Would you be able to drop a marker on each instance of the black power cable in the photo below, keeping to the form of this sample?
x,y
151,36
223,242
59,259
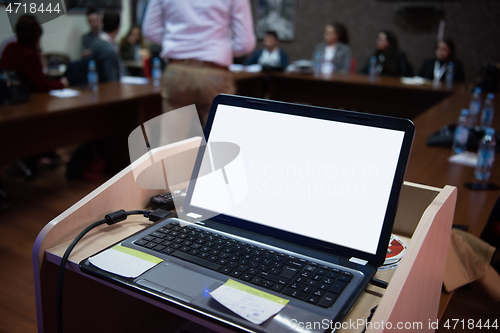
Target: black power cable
x,y
110,219
379,283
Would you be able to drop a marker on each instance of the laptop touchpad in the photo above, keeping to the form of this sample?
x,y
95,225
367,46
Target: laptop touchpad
x,y
176,281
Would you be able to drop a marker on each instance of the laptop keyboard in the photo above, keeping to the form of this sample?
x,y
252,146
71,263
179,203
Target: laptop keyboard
x,y
299,278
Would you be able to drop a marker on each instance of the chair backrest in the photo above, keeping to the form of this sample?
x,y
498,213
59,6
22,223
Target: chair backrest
x,y
56,59
354,64
76,72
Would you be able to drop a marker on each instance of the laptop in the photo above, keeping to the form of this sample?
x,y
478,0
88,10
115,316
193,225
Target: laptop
x,y
300,206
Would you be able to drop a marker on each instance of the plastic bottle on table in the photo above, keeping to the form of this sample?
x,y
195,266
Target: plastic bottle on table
x,y
92,79
485,155
475,105
137,55
450,72
373,68
488,111
327,67
156,72
318,59
461,132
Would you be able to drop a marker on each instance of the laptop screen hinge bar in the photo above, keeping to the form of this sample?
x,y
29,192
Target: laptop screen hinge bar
x,y
194,215
195,218
358,261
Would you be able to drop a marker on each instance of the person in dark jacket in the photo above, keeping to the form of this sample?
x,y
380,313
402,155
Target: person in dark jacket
x,y
435,68
105,50
391,61
24,56
271,57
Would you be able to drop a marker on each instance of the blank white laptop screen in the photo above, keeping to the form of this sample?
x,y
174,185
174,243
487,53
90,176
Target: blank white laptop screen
x,y
323,179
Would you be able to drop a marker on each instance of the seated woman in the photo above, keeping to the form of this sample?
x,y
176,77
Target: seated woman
x,y
391,61
271,57
24,56
333,54
435,68
132,45
133,52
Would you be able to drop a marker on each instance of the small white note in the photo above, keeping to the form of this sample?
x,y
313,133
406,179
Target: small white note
x,y
124,261
236,68
253,68
252,304
416,80
64,93
466,158
134,80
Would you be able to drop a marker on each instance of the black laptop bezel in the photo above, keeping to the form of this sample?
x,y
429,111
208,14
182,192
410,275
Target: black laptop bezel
x,y
400,124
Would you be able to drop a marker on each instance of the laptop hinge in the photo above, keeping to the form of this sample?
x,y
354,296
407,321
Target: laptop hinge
x,y
194,215
358,261
195,218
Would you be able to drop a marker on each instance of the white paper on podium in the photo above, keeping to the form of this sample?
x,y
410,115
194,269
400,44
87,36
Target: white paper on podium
x,y
124,261
252,304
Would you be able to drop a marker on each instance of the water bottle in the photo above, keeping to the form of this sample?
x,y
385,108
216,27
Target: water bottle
x,y
485,155
488,111
318,59
92,79
137,55
461,132
327,67
373,68
156,72
450,71
475,106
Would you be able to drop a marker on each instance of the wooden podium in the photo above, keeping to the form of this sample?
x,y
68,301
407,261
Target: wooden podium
x,y
424,220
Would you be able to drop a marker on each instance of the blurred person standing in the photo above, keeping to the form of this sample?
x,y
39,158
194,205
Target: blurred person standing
x,y
199,39
94,21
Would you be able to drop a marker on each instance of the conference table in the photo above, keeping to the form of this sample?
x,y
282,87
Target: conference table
x,y
429,165
47,122
356,92
430,108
